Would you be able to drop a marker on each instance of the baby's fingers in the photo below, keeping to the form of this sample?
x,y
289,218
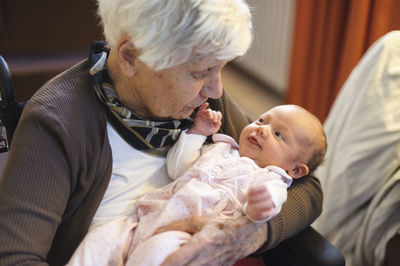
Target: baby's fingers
x,y
214,116
258,193
263,205
203,108
218,116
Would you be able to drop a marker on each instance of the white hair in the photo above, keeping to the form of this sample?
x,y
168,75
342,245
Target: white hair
x,y
172,32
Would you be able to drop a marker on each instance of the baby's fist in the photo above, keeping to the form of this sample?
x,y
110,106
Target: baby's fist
x,y
259,203
206,122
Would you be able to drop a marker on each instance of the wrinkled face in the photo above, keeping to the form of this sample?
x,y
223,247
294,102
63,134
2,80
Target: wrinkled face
x,y
174,92
277,137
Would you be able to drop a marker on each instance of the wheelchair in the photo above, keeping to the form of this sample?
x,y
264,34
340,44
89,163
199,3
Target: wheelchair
x,y
10,111
306,248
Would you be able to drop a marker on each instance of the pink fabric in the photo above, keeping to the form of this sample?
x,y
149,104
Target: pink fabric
x,y
216,186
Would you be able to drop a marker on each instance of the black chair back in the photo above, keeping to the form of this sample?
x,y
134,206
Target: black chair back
x,y
10,111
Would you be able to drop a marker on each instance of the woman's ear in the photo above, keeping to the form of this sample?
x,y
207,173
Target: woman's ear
x,y
299,170
127,56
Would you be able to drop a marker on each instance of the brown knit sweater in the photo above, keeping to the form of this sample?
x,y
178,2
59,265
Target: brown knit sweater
x,y
60,165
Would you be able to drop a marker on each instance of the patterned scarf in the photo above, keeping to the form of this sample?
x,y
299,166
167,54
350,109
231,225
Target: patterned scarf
x,y
139,133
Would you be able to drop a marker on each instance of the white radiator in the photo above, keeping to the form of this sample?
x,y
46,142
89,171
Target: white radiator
x,y
269,57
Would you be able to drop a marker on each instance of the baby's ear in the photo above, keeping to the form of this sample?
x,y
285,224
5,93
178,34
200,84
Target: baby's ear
x,y
299,170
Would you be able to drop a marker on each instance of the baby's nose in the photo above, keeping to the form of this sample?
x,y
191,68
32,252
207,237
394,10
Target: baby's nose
x,y
262,131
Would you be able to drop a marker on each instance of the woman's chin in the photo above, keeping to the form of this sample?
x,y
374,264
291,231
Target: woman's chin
x,y
184,113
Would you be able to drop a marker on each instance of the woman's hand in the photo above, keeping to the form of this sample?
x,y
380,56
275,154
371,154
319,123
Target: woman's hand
x,y
216,242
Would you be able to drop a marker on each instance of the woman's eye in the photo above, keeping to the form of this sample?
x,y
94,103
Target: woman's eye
x,y
199,75
279,135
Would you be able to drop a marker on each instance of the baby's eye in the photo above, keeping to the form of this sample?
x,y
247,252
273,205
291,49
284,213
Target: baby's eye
x,y
279,135
260,120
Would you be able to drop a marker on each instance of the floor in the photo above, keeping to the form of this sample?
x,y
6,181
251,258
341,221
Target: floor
x,y
254,97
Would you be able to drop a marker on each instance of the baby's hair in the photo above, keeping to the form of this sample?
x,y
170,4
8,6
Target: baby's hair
x,y
319,146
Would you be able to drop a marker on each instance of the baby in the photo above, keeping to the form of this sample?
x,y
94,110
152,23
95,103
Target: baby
x,y
286,136
221,180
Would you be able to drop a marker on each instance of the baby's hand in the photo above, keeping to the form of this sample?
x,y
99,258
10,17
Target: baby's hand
x,y
259,203
206,122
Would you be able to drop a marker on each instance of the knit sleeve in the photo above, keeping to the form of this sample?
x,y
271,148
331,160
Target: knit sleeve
x,y
304,200
57,171
303,206
35,188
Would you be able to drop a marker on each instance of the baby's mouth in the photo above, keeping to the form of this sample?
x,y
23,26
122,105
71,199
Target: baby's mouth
x,y
253,140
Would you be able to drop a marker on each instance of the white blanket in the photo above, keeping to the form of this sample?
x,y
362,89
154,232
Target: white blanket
x,y
361,177
215,186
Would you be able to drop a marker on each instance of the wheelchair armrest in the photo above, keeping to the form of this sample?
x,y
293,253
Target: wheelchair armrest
x,y
306,248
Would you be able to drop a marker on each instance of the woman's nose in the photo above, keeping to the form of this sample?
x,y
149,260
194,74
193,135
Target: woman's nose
x,y
212,87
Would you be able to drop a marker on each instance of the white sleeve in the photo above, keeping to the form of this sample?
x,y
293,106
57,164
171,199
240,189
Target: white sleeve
x,y
278,191
184,153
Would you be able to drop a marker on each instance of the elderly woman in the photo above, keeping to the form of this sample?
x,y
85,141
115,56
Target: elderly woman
x,y
93,139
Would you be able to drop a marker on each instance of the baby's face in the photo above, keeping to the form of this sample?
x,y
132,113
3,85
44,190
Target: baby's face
x,y
277,137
